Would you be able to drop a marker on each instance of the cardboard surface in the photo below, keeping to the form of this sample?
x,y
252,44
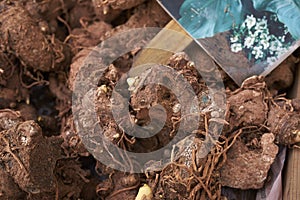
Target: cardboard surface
x,y
162,47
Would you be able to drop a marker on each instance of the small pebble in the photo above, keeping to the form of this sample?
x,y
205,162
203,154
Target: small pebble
x,y
214,114
132,82
176,108
103,88
145,193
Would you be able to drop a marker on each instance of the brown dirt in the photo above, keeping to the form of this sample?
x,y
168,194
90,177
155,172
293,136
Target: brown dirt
x,y
43,45
27,156
43,54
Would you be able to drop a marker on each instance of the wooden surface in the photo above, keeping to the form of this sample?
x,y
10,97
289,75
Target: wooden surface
x,y
171,39
291,184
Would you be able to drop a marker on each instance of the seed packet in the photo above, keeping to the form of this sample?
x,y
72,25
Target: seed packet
x,y
244,37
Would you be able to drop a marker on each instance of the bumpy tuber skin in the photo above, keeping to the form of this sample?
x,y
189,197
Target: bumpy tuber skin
x,y
27,111
273,120
12,92
49,13
285,124
71,179
7,98
89,36
31,169
247,106
8,188
253,105
246,168
110,10
283,76
9,119
77,62
22,36
72,144
83,11
118,4
106,13
27,157
148,14
48,9
6,66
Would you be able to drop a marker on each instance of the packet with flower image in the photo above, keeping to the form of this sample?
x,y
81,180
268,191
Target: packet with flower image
x,y
245,37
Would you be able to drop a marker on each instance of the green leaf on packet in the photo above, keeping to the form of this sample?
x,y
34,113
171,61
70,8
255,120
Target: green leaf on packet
x,y
206,18
288,12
